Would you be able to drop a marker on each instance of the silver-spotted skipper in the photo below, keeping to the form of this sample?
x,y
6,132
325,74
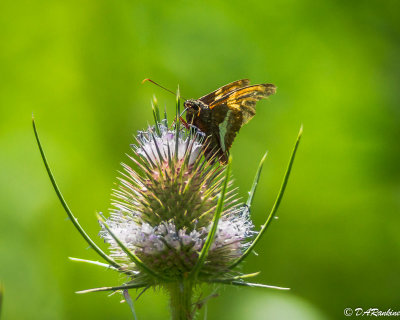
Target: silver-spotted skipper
x,y
221,114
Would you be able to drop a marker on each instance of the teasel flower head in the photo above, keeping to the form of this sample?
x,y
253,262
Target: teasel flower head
x,y
176,220
164,210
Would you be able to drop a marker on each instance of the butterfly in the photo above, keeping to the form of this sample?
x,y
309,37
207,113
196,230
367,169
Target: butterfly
x,y
221,113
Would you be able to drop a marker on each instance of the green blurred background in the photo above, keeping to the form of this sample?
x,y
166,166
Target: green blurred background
x,y
77,65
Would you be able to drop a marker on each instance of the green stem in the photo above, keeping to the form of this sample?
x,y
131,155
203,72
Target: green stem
x,y
181,300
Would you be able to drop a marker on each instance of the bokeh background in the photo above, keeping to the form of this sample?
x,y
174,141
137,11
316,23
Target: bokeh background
x,y
78,66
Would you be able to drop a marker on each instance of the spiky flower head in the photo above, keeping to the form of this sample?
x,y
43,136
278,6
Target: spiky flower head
x,y
164,209
176,220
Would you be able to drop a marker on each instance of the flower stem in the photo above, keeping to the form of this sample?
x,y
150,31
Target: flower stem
x,y
181,300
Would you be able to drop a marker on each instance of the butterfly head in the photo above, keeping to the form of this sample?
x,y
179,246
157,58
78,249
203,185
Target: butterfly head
x,y
194,108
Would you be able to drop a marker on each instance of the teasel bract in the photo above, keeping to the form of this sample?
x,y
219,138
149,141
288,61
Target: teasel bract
x,y
177,221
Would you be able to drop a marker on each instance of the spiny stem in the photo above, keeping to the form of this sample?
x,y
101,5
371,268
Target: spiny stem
x,y
181,300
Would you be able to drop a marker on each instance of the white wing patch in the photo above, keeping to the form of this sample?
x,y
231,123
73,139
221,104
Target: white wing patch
x,y
223,129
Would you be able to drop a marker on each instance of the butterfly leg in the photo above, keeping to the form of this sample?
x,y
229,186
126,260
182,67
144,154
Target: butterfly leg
x,y
193,129
185,124
172,124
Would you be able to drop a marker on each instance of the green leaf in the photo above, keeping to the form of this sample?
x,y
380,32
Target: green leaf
x,y
247,284
156,114
213,230
245,276
239,277
155,103
177,122
123,287
276,204
255,182
129,301
160,156
131,255
97,263
65,206
165,116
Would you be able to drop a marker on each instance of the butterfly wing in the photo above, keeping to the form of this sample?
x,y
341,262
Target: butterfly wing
x,y
244,100
220,92
235,109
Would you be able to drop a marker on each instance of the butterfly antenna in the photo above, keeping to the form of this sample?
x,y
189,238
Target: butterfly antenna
x,y
158,85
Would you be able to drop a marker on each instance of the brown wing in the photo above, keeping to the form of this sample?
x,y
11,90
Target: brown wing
x,y
243,100
220,92
235,109
229,128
